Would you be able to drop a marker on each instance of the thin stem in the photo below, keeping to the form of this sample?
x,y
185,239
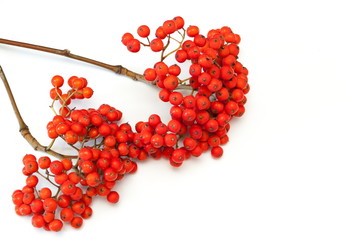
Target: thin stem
x,y
180,44
52,107
118,69
165,47
182,34
47,178
57,193
24,130
184,80
51,144
176,40
145,44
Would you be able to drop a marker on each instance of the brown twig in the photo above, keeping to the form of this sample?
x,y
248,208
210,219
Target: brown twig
x,y
24,130
118,69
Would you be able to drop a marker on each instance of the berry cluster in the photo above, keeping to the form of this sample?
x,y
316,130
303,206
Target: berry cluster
x,y
218,83
78,90
102,160
202,105
95,174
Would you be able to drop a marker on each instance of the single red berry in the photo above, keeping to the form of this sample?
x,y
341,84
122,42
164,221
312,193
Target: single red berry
x,y
217,152
38,221
57,81
189,101
113,197
48,216
45,193
192,31
87,213
50,204
161,128
174,126
189,143
133,45
150,74
164,95
195,131
181,56
68,187
215,85
174,70
231,107
110,174
200,40
28,197
160,33
126,37
161,68
71,137
62,128
157,140
54,93
233,49
179,155
237,95
170,139
175,98
93,179
87,92
214,141
203,103
169,27
211,125
194,52
171,82
64,201
66,214
154,120
78,207
195,70
85,153
188,115
157,45
56,167
31,167
179,22
32,181
76,222
143,31
56,225
23,210
17,197
187,45
226,73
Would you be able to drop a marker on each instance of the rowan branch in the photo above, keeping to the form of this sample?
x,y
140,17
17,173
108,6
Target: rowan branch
x,y
24,130
118,69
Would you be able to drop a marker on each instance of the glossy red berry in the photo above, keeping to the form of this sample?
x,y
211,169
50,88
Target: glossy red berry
x,y
133,45
143,31
156,45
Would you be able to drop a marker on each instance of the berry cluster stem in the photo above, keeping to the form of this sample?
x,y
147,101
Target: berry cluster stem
x,y
118,69
24,130
173,51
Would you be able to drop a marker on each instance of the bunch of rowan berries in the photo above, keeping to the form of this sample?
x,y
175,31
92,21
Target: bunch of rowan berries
x,y
218,83
202,105
101,161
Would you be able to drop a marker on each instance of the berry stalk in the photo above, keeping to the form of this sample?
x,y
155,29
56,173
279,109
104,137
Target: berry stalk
x,y
118,69
24,130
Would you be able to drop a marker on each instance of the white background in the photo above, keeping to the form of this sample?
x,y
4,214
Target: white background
x,y
286,172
